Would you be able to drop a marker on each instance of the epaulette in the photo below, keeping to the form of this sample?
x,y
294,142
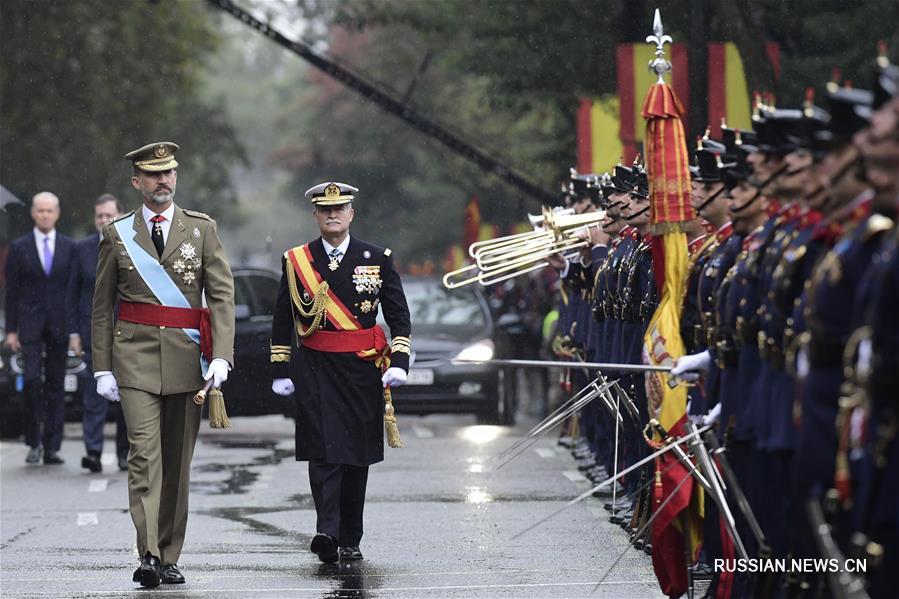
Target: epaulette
x,y
126,215
196,214
387,251
877,223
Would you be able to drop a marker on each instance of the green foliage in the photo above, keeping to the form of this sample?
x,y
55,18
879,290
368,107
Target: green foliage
x,y
84,82
817,36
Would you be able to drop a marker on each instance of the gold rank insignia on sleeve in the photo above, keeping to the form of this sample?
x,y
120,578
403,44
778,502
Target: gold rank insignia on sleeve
x,y
280,353
401,345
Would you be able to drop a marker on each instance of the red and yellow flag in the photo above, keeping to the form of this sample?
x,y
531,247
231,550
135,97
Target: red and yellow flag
x,y
633,79
678,524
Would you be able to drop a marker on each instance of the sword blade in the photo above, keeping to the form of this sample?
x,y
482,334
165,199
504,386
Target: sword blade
x,y
561,364
612,479
558,420
643,528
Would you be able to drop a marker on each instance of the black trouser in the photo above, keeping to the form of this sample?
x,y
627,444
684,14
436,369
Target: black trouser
x,y
44,399
339,494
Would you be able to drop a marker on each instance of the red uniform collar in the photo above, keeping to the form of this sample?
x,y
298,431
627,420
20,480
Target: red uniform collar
x,y
725,231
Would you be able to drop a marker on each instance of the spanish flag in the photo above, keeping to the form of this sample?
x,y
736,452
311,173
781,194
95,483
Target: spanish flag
x,y
678,524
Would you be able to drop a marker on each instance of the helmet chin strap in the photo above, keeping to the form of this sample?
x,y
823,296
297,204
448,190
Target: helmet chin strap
x,y
711,199
759,188
635,214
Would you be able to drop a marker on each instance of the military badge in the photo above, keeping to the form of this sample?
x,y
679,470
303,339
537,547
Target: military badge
x,y
196,233
365,307
187,265
366,254
188,251
333,264
367,279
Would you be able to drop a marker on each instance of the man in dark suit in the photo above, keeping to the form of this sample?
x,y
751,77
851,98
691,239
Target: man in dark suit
x,y
37,271
331,289
80,297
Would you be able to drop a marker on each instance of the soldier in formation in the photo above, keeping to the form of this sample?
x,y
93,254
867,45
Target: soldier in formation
x,y
790,327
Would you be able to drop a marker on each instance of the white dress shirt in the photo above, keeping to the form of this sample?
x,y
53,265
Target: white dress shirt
x,y
39,240
168,213
342,247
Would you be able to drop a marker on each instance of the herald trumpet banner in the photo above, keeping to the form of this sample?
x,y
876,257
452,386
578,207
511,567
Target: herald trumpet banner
x,y
507,257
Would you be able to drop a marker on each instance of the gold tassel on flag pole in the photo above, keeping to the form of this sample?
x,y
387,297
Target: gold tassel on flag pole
x,y
218,415
390,427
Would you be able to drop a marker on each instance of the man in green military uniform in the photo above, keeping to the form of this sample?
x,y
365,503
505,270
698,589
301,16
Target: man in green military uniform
x,y
155,266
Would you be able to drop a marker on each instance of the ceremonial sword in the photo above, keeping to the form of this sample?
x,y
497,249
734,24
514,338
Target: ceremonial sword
x,y
560,364
612,479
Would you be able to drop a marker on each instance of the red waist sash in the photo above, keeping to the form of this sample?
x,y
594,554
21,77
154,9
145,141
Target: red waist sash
x,y
169,316
366,343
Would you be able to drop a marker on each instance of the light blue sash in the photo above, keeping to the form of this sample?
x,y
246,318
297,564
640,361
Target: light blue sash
x,y
155,276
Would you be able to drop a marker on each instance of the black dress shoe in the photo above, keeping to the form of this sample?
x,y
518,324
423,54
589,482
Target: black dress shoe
x,y
172,575
149,572
123,464
92,462
51,457
34,455
325,547
348,554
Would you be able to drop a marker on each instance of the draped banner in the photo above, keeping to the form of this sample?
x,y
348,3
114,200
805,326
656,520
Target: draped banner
x,y
677,529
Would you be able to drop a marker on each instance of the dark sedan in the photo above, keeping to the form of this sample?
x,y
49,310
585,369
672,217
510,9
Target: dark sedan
x,y
455,324
248,391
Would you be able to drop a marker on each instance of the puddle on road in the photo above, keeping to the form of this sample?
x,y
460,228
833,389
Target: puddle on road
x,y
243,475
353,580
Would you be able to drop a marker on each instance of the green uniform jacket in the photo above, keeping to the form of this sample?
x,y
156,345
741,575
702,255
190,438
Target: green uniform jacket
x,y
162,360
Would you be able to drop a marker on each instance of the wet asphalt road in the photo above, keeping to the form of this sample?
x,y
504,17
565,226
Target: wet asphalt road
x,y
438,524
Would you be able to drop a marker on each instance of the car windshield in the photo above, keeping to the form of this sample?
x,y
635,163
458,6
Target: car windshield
x,y
432,307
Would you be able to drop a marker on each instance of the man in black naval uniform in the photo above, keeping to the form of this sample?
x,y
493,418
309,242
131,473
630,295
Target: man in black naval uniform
x,y
330,292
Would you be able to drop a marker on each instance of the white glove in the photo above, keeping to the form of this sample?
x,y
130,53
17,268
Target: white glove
x,y
802,364
394,377
108,388
865,351
283,387
689,368
218,372
713,415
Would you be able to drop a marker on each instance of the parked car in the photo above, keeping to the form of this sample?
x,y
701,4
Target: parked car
x,y
248,391
456,324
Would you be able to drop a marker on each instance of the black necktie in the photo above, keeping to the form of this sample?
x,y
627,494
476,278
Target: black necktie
x,y
156,235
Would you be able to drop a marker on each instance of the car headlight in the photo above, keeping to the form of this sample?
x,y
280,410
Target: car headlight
x,y
478,351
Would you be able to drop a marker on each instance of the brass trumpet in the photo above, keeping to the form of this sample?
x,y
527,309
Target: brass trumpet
x,y
510,256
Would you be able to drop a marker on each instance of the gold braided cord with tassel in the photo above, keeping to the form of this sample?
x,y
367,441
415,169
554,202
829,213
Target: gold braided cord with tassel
x,y
390,427
382,361
218,415
314,308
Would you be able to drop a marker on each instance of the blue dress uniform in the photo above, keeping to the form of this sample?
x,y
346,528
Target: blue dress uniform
x,y
339,397
877,507
727,247
827,309
636,304
874,490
